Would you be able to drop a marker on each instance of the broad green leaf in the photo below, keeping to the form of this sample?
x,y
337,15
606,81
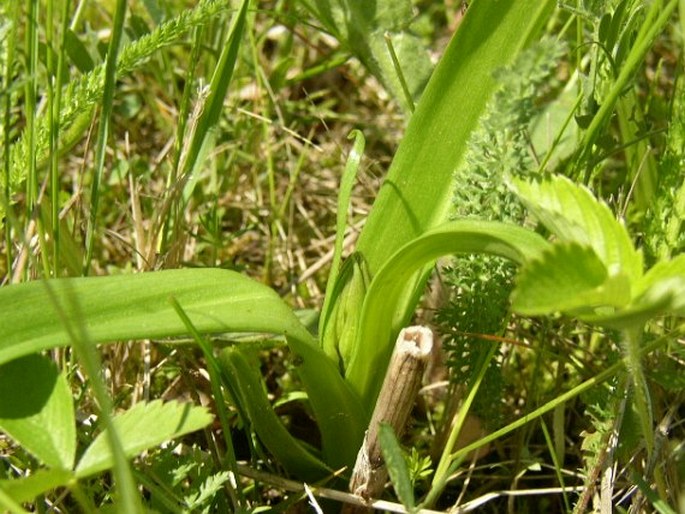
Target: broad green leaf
x,y
246,384
143,426
572,213
25,489
36,410
417,192
41,314
381,318
397,466
567,278
44,314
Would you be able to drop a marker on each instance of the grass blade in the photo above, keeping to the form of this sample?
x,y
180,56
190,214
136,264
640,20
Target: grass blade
x,y
217,88
103,129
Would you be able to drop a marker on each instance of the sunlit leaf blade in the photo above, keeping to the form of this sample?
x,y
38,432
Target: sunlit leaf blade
x,y
216,301
344,198
27,488
137,307
381,317
671,269
572,213
143,426
660,291
417,192
36,410
246,384
568,277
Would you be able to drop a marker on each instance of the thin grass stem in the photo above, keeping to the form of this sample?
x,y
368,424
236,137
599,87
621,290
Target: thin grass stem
x,y
7,122
214,370
103,129
447,458
577,390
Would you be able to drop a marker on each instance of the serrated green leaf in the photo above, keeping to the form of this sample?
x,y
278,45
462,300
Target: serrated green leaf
x,y
568,278
36,410
397,466
25,489
660,291
143,426
572,213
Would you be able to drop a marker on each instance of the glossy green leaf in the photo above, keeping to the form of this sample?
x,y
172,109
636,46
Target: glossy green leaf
x,y
143,426
246,384
417,192
25,489
36,410
216,301
382,318
572,213
567,278
136,307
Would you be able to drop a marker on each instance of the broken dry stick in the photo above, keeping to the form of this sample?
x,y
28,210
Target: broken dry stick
x,y
394,404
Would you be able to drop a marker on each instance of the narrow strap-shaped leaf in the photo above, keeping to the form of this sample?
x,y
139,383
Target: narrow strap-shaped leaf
x,y
247,385
136,307
218,87
417,191
418,188
344,196
397,466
